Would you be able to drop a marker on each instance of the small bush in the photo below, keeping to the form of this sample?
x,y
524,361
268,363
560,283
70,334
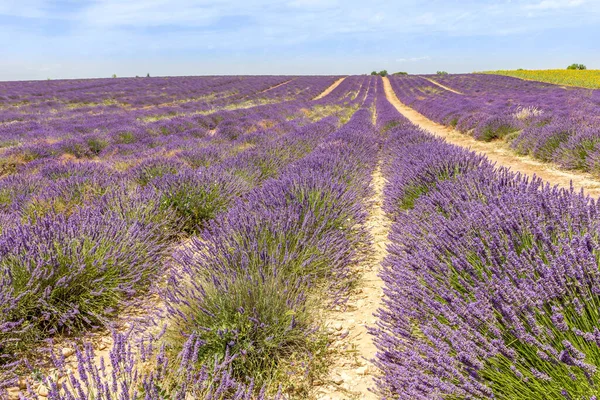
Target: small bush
x,y
202,157
68,273
495,128
198,196
252,277
380,73
441,73
400,73
577,66
96,144
155,168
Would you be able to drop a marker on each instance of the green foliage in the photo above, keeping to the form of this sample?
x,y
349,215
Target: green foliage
x,y
195,199
148,75
411,194
442,73
125,137
114,75
490,132
390,125
383,73
577,66
374,73
228,323
400,73
96,145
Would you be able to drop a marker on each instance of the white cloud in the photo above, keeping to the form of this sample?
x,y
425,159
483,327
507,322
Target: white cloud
x,y
412,59
555,4
208,29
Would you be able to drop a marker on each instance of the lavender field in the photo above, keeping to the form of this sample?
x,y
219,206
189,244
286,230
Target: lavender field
x,y
551,123
190,237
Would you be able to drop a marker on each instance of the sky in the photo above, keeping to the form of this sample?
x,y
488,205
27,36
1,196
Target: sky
x,y
41,39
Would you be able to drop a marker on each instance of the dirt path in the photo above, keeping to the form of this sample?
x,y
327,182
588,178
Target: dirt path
x,y
276,86
330,88
498,152
442,86
352,374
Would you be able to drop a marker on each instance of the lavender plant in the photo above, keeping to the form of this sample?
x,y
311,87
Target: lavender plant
x,y
491,283
248,287
66,273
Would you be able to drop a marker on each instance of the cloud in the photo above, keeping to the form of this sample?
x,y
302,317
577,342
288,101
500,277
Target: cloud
x,y
208,31
555,4
412,59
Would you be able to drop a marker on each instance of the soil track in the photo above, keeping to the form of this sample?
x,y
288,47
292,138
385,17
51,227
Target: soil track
x,y
498,152
276,86
351,375
330,88
443,86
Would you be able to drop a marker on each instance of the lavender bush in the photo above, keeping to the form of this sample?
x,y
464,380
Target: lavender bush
x,y
491,281
247,288
66,273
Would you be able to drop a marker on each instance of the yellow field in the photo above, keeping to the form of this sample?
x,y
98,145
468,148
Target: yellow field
x,y
586,78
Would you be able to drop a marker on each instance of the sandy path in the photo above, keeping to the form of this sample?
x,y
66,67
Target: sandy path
x,y
498,152
442,86
351,376
276,86
330,88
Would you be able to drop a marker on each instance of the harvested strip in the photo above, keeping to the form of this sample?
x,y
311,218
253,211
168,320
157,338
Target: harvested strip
x,y
330,89
498,152
442,86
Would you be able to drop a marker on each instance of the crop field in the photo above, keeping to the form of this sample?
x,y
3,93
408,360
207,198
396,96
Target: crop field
x,y
584,78
547,122
293,237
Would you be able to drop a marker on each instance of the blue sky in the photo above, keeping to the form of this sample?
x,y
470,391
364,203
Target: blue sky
x,y
42,39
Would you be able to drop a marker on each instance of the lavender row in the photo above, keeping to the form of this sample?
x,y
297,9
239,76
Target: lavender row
x,y
491,284
125,134
28,97
79,239
551,123
120,224
240,296
106,120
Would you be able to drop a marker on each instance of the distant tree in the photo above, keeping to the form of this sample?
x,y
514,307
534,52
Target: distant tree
x,y
400,73
442,73
577,66
114,75
148,75
374,73
383,73
520,69
137,76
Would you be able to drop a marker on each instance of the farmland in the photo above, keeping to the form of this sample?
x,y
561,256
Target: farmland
x,y
583,78
288,237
